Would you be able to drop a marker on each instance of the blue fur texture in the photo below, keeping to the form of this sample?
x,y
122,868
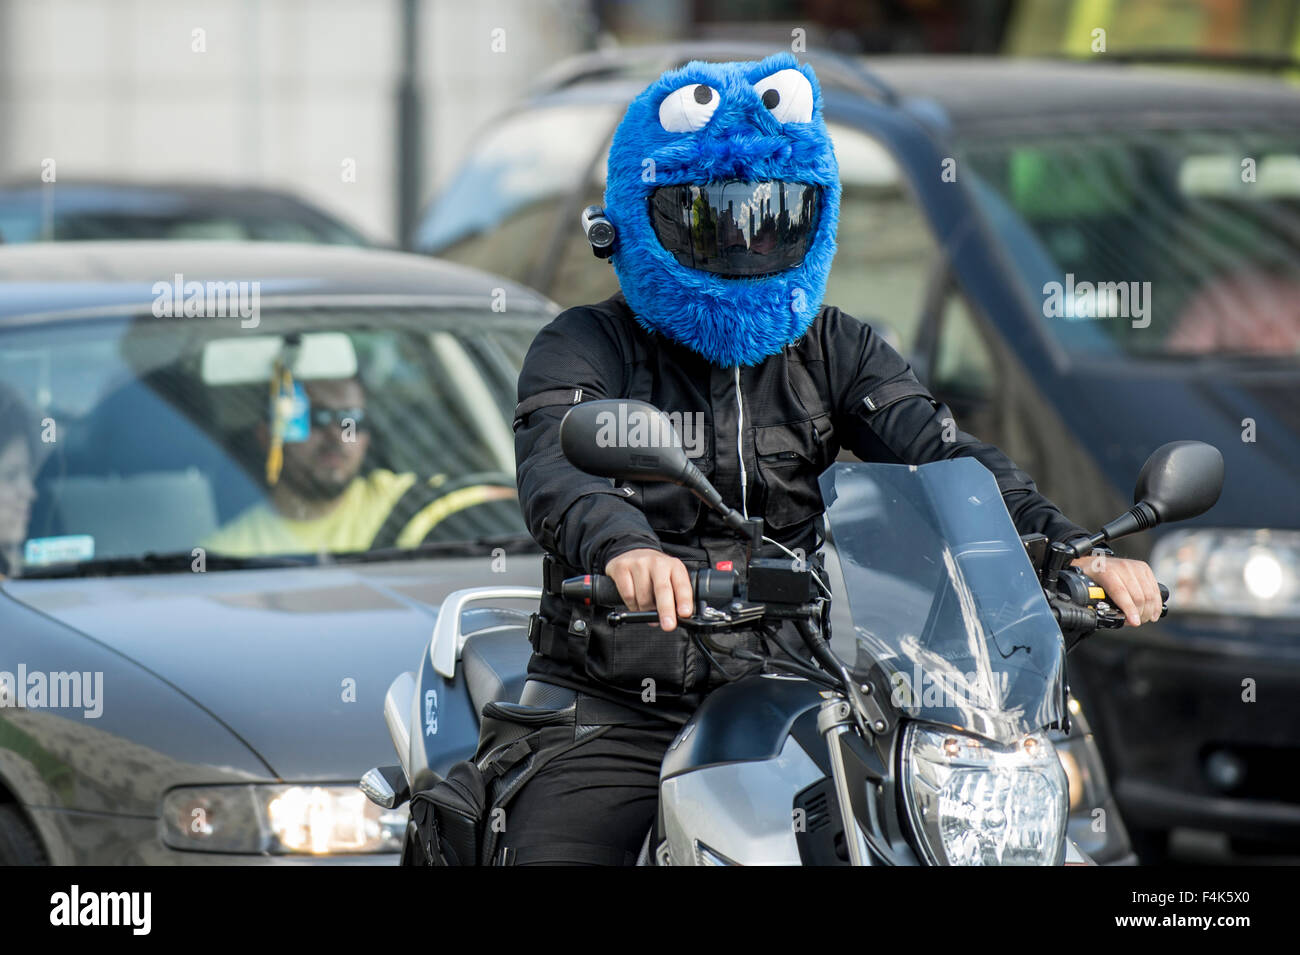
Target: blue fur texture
x,y
730,321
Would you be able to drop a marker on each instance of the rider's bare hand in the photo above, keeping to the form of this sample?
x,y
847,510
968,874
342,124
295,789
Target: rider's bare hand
x,y
648,579
1130,585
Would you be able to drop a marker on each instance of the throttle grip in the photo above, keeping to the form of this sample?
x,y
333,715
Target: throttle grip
x,y
1115,620
706,584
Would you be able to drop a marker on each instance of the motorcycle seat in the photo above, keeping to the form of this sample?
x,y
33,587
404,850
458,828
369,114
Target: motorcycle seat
x,y
495,666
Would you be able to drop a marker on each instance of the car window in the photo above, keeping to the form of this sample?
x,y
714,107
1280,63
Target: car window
x,y
1154,242
159,435
498,210
885,250
580,277
962,363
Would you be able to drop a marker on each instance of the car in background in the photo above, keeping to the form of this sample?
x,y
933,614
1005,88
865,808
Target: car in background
x,y
228,701
168,700
83,210
1084,261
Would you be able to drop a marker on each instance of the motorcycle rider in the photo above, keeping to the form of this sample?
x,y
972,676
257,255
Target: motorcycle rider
x,y
723,195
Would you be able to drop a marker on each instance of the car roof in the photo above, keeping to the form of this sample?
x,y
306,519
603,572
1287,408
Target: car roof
x,y
628,70
972,91
90,196
977,90
106,195
181,189
47,280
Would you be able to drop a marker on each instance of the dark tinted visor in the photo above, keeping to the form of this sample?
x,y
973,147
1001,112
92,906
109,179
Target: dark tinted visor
x,y
736,228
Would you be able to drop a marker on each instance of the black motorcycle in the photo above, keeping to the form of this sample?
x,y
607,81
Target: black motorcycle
x,y
933,728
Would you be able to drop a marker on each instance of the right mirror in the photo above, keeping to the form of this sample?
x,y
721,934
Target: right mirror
x,y
1180,480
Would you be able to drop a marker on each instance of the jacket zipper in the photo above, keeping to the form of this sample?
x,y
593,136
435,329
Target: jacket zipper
x,y
740,447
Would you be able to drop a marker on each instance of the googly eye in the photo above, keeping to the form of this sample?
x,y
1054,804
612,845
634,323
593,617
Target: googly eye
x,y
788,96
688,109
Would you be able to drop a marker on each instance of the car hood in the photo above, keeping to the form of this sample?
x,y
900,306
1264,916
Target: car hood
x,y
295,662
1250,413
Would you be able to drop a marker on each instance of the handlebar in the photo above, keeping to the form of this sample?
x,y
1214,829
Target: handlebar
x,y
706,584
1082,606
1115,620
721,587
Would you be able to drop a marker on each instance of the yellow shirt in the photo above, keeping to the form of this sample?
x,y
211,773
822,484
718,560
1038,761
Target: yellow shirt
x,y
351,525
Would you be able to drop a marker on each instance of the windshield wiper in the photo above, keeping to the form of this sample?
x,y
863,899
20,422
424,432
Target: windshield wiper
x,y
182,561
520,543
153,563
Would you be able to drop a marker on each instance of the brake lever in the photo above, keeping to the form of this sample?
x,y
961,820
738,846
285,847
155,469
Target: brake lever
x,y
1109,618
738,613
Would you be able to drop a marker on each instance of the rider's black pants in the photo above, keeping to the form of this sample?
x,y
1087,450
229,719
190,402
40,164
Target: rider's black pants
x,y
592,804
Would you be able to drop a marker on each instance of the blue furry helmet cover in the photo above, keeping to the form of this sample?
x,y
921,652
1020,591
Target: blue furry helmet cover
x,y
730,321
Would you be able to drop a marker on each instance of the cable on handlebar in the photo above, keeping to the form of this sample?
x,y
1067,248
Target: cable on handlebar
x,y
795,557
713,661
795,664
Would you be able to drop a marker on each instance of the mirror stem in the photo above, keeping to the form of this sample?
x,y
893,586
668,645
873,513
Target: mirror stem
x,y
751,530
1140,517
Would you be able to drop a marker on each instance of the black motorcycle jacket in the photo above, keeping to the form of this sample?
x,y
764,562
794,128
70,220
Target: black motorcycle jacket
x,y
761,434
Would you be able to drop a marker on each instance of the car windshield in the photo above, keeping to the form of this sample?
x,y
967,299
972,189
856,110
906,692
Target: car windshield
x,y
1157,243
500,208
140,443
946,605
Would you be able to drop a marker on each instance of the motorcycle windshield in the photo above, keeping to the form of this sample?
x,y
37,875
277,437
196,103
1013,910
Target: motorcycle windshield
x,y
943,597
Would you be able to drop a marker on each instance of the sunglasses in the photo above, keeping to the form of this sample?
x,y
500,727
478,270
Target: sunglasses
x,y
338,417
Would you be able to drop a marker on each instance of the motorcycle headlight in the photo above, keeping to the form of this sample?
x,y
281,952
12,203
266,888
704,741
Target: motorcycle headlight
x,y
313,820
972,802
1250,572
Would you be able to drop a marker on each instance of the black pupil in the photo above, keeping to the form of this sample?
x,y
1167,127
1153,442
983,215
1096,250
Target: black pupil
x,y
771,98
703,94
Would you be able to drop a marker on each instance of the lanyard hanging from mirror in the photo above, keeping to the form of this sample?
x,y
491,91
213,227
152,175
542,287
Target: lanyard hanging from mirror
x,y
287,415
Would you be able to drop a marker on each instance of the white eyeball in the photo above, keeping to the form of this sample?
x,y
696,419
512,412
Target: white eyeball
x,y
788,96
688,109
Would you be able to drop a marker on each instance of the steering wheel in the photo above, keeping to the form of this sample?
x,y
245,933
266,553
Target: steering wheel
x,y
465,508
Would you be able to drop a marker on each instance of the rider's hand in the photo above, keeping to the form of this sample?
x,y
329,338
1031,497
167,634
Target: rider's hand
x,y
1129,584
648,579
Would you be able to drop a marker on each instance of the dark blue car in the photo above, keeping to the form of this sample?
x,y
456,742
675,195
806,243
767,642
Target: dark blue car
x,y
176,690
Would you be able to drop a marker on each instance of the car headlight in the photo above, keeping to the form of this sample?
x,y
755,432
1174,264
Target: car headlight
x,y
972,802
313,820
1230,571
